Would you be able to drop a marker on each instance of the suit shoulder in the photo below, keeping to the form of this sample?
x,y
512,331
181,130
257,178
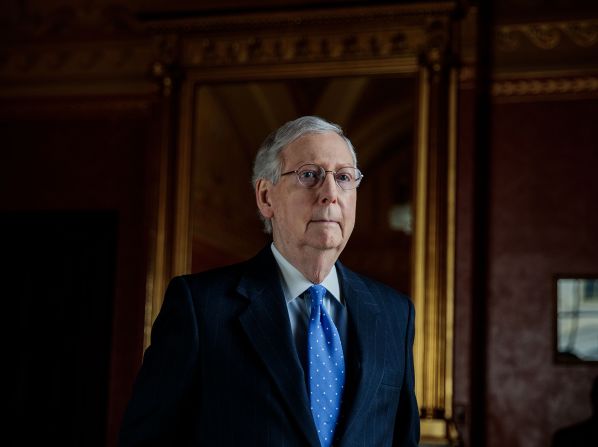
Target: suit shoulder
x,y
388,293
217,278
377,288
383,288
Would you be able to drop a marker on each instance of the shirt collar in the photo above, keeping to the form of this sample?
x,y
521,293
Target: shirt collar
x,y
294,283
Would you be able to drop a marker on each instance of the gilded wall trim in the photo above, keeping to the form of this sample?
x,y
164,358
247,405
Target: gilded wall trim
x,y
374,17
537,49
541,59
59,60
269,49
70,44
548,35
56,22
73,51
326,36
552,86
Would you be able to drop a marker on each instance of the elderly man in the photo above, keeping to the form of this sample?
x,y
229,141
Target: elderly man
x,y
289,348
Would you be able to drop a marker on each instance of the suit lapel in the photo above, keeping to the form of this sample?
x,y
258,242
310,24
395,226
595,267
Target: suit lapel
x,y
369,350
266,323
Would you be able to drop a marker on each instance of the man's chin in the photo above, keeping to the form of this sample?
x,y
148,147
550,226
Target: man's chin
x,y
327,243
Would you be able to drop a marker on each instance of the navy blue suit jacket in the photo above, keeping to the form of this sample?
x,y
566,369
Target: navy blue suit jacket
x,y
222,368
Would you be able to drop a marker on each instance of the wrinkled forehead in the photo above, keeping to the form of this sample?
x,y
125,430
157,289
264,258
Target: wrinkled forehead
x,y
320,147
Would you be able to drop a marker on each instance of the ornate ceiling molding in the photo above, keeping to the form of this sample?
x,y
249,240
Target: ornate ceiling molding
x,y
56,61
103,47
543,87
309,18
82,22
312,36
135,64
547,35
542,49
539,59
73,68
75,45
300,47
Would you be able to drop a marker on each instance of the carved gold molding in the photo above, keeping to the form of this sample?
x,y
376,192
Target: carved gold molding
x,y
541,59
324,36
129,66
396,16
434,248
268,49
548,35
68,21
87,50
554,86
544,47
56,61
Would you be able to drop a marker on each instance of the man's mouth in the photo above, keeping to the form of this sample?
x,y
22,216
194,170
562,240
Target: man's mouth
x,y
325,221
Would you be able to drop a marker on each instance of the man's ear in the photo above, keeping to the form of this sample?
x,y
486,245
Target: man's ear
x,y
263,190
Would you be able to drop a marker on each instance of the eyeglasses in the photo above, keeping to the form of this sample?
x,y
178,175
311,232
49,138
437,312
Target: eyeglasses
x,y
312,176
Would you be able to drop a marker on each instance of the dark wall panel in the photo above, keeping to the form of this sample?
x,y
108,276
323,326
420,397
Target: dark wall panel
x,y
464,245
543,217
83,157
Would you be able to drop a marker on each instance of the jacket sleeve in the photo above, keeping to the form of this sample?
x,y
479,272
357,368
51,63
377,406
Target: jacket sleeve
x,y
157,405
406,431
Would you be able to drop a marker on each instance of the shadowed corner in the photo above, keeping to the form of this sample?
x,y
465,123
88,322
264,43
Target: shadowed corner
x,y
584,433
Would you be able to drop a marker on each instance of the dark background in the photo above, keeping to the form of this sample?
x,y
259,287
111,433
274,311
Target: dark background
x,y
78,191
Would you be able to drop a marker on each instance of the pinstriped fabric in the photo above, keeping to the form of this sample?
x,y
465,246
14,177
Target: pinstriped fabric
x,y
235,378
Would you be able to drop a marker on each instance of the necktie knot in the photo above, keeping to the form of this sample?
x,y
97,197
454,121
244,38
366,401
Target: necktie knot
x,y
317,293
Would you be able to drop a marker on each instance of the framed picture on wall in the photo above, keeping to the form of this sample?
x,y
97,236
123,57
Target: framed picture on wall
x,y
576,319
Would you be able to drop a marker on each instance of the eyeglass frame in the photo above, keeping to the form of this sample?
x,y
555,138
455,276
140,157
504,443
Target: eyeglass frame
x,y
296,172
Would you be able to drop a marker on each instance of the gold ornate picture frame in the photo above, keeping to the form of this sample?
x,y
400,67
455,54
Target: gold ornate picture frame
x,y
406,42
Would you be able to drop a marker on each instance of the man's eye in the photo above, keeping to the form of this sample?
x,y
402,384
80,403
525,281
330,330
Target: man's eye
x,y
344,177
307,175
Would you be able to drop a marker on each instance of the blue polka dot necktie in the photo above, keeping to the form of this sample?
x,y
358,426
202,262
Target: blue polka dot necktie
x,y
326,367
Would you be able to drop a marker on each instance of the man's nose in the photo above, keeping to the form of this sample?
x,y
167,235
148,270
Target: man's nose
x,y
329,189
